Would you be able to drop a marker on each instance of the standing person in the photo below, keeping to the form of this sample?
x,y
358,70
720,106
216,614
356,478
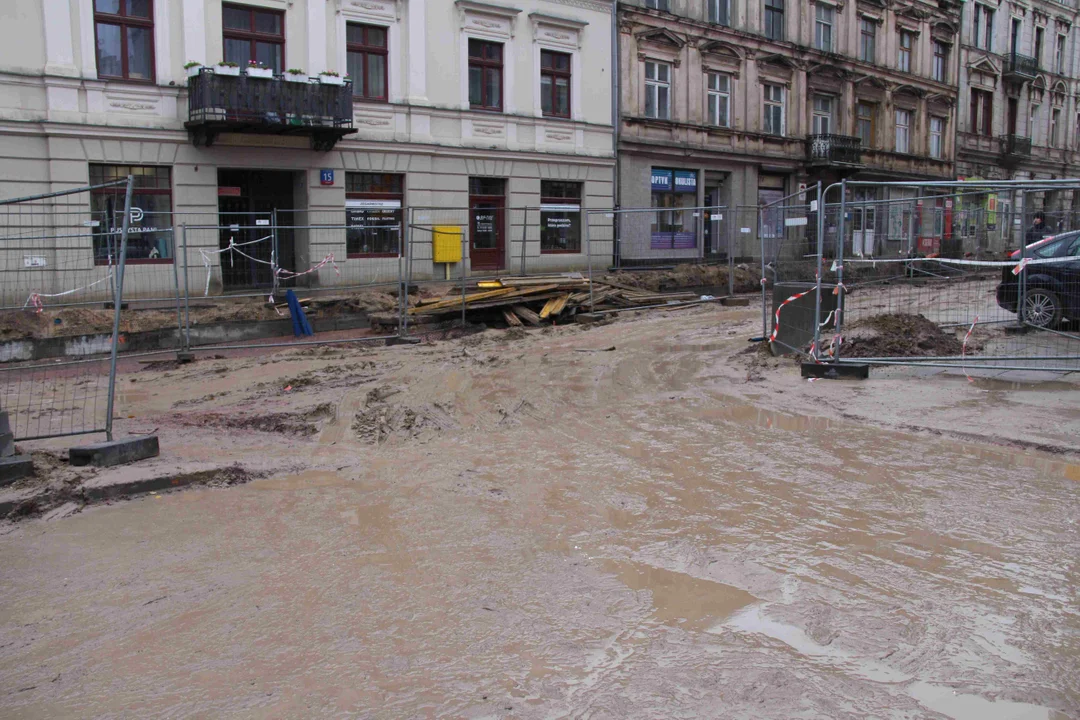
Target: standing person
x,y
1038,229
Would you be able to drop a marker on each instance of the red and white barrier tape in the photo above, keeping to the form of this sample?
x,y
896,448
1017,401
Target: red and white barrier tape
x,y
1020,268
776,315
35,299
963,350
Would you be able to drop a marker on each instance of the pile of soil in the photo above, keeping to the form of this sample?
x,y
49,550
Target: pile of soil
x,y
88,320
303,423
380,421
900,335
688,276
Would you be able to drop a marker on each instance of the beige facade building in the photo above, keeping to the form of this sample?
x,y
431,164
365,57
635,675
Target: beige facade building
x,y
449,104
742,102
1020,103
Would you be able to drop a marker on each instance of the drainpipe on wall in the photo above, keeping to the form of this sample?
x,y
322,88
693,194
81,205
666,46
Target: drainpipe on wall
x,y
615,123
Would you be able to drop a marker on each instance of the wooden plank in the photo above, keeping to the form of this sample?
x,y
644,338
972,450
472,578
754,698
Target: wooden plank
x,y
526,314
450,302
511,319
545,312
493,299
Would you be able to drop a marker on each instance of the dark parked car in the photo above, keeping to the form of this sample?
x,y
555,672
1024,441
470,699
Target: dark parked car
x,y
1053,289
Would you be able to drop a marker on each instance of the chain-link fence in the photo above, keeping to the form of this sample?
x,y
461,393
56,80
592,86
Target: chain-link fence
x,y
967,274
55,249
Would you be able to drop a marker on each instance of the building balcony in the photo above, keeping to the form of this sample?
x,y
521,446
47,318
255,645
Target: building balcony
x,y
835,150
1020,68
267,106
1015,146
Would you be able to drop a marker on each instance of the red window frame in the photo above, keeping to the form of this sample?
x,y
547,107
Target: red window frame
x,y
487,61
125,21
366,50
252,35
366,195
548,68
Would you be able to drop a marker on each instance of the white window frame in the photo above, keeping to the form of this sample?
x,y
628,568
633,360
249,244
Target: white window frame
x,y
767,102
717,97
903,130
937,137
1033,123
822,117
715,6
1055,127
824,27
653,87
664,5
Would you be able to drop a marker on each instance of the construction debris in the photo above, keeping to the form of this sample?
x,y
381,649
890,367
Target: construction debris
x,y
545,299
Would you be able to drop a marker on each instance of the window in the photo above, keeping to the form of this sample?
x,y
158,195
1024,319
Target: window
x,y
658,5
1014,39
657,90
373,213
903,131
774,19
485,75
365,58
864,123
904,60
719,100
1076,137
555,83
720,12
867,40
983,28
823,115
982,107
824,16
1055,123
937,137
1059,55
1033,129
941,62
1038,45
560,216
152,194
774,109
254,35
125,39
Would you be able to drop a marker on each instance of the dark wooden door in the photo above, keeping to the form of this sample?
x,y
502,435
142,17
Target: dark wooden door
x,y
487,221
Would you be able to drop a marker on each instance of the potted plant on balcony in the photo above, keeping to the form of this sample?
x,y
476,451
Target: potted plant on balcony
x,y
193,68
258,70
296,75
329,77
227,68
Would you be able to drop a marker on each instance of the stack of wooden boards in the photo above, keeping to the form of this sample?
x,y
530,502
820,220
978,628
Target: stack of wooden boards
x,y
536,300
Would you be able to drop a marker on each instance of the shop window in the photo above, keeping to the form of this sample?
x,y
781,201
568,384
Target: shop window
x,y
674,225
124,31
560,216
366,48
254,35
373,214
151,210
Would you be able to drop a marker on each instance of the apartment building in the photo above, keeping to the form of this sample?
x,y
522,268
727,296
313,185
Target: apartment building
x,y
743,102
1020,100
313,112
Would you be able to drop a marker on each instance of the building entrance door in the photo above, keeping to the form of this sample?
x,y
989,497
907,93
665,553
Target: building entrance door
x,y
249,202
487,221
863,221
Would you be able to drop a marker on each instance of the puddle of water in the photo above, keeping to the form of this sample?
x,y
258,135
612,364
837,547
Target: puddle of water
x,y
681,600
948,702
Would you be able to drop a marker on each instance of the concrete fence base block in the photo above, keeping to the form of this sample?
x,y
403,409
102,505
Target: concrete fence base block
x,y
15,467
585,318
7,444
5,424
185,357
117,452
835,372
403,341
735,302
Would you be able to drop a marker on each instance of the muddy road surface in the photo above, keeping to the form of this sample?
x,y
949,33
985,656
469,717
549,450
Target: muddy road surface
x,y
542,527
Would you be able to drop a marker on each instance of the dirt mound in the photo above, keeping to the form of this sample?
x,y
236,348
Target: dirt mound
x,y
687,276
900,335
381,422
303,423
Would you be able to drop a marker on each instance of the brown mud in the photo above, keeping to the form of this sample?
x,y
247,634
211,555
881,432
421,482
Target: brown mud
x,y
634,533
902,335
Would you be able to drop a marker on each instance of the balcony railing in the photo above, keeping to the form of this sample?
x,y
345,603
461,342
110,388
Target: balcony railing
x,y
230,103
834,150
1015,146
1021,67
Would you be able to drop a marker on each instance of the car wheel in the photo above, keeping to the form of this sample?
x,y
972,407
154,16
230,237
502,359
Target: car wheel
x,y
1042,308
